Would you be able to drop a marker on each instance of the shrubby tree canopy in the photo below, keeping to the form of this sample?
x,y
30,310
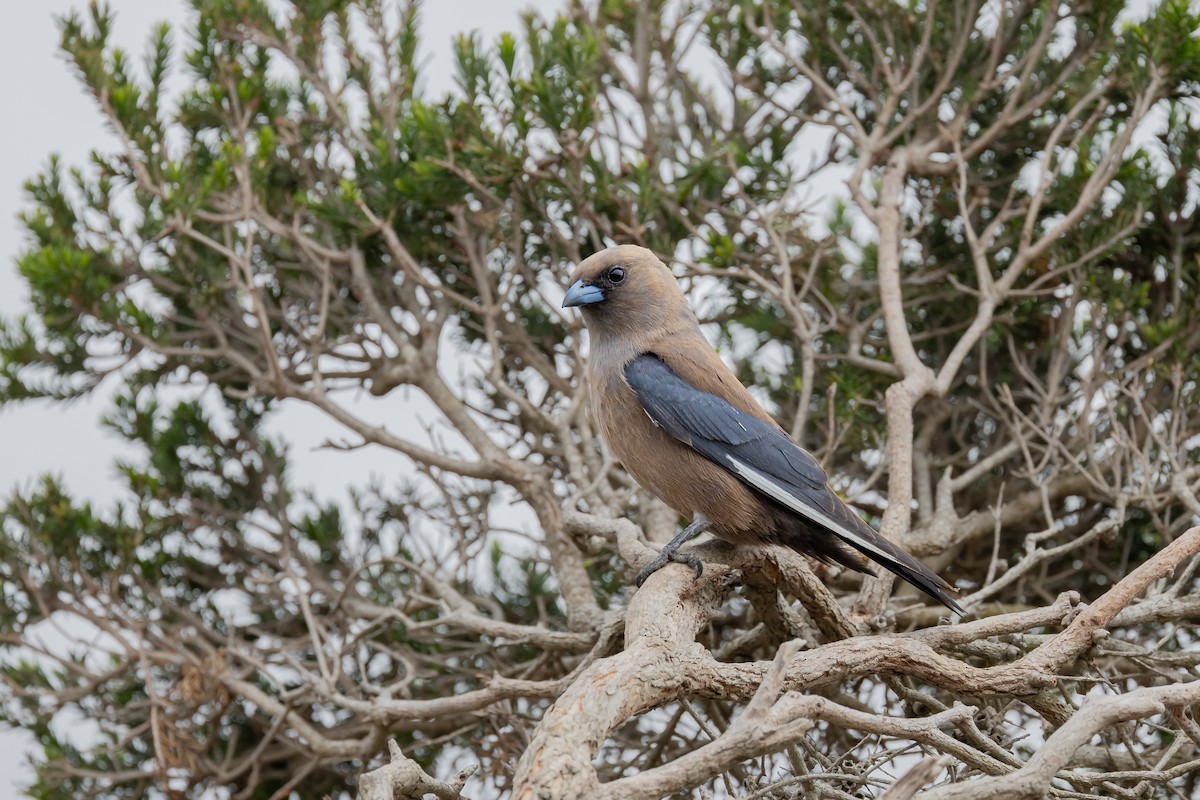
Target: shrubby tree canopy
x,y
954,244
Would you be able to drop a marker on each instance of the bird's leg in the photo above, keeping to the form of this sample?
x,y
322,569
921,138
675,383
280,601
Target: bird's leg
x,y
670,553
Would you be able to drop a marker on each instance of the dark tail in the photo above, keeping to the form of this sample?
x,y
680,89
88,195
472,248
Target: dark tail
x,y
888,555
846,537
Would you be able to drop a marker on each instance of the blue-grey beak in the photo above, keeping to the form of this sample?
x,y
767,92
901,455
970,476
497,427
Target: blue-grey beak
x,y
582,294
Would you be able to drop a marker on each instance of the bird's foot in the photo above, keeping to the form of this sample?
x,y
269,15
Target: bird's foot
x,y
668,555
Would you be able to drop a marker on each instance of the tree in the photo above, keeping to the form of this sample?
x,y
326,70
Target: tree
x,y
987,338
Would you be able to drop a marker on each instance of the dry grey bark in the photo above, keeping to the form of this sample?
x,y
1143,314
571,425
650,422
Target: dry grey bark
x,y
403,779
662,662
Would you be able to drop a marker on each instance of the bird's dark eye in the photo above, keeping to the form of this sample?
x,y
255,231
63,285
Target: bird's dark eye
x,y
616,274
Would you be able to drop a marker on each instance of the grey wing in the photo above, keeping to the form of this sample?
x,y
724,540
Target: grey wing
x,y
757,453
764,458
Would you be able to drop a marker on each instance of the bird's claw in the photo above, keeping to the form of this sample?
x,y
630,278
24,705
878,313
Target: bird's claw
x,y
666,557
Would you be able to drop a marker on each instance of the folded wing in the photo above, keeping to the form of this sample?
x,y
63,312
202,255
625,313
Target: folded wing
x,y
764,458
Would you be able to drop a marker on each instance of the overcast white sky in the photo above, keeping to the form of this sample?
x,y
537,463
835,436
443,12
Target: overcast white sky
x,y
48,112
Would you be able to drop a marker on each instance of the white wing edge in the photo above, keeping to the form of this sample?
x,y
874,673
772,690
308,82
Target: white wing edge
x,y
778,493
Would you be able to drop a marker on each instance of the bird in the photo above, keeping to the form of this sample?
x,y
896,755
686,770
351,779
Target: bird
x,y
689,432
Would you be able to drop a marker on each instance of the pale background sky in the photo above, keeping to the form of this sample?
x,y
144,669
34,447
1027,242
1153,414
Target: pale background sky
x,y
49,112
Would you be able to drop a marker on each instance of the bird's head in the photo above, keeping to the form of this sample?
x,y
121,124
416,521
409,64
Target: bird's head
x,y
623,289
